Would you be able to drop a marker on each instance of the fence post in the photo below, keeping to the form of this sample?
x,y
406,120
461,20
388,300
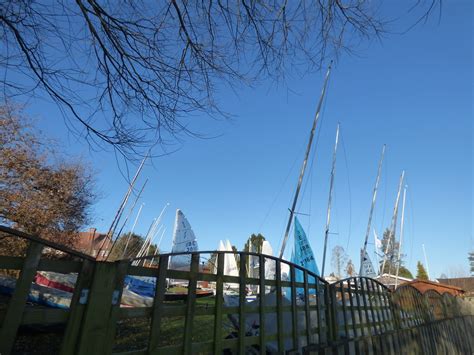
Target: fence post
x,y
16,305
94,334
394,309
77,307
156,315
331,320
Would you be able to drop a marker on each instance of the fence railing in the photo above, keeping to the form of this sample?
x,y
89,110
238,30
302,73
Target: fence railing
x,y
266,305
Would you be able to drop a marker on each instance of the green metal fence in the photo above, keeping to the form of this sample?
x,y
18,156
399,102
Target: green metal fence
x,y
277,307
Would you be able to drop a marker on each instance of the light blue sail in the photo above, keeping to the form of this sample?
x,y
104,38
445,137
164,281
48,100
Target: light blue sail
x,y
302,254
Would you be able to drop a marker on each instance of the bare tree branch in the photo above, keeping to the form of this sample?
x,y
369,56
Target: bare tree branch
x,y
131,73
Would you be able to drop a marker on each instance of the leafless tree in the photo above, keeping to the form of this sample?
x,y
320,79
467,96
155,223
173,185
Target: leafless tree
x,y
131,73
350,269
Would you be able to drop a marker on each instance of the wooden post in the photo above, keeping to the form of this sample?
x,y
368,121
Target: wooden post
x,y
321,297
121,270
306,308
93,338
77,307
279,303
218,304
190,304
261,295
156,315
294,311
331,312
16,306
242,300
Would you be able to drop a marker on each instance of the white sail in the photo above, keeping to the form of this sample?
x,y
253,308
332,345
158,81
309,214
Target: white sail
x,y
221,247
267,248
269,263
285,271
184,240
230,264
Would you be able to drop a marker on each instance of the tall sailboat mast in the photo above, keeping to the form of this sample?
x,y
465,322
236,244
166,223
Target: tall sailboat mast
x,y
402,223
131,231
328,216
394,222
374,197
126,220
305,161
118,215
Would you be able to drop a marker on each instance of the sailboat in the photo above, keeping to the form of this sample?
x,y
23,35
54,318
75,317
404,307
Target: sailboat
x,y
252,320
305,162
230,263
184,241
303,254
393,226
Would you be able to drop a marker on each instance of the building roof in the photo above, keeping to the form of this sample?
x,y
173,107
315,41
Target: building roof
x,y
425,285
389,279
465,283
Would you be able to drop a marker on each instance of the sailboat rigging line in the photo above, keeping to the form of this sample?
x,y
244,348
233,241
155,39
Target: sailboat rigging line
x,y
349,190
157,247
401,236
124,203
147,237
126,218
134,250
131,231
393,224
311,170
384,207
151,232
301,213
161,238
278,194
374,198
132,208
305,161
331,185
147,253
304,187
150,237
118,215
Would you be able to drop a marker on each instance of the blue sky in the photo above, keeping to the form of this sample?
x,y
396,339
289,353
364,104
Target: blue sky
x,y
412,92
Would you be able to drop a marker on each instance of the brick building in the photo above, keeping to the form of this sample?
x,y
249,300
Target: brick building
x,y
91,242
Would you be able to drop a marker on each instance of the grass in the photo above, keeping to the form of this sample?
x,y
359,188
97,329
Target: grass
x,y
177,289
133,334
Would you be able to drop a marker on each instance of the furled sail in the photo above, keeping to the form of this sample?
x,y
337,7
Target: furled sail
x,y
184,240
